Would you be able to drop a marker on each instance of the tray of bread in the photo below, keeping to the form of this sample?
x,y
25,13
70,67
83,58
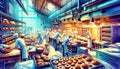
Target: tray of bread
x,y
77,62
41,61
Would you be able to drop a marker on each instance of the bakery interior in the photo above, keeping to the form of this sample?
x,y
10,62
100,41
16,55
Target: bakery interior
x,y
59,34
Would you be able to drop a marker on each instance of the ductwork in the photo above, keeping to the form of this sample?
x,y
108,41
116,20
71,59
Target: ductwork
x,y
67,7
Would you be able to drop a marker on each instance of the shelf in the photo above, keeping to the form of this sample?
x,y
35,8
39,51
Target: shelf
x,y
9,17
97,9
8,40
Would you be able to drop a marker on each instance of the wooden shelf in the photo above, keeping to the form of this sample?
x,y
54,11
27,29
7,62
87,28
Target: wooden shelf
x,y
9,17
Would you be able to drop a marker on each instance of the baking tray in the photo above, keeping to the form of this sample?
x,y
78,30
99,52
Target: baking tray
x,y
100,66
39,67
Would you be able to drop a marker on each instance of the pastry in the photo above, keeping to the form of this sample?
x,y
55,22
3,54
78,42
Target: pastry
x,y
47,59
55,62
40,63
69,62
39,60
67,66
59,64
72,68
60,67
72,64
88,59
60,60
94,62
45,52
77,66
37,57
84,66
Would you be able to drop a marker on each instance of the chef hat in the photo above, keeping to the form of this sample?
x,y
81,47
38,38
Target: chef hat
x,y
15,35
22,35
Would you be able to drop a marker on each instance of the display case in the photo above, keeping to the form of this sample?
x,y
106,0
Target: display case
x,y
8,25
110,33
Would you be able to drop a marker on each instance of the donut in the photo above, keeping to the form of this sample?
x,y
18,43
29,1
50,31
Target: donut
x,y
72,64
84,66
39,60
88,59
60,60
77,66
40,63
60,67
55,62
47,59
67,66
69,62
72,68
37,57
94,62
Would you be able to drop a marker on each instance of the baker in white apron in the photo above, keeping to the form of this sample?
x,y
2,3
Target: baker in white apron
x,y
89,41
20,42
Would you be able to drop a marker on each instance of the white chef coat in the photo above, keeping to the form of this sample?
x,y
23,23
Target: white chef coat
x,y
20,42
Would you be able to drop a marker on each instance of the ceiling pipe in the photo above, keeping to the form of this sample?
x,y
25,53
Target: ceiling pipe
x,y
67,7
21,5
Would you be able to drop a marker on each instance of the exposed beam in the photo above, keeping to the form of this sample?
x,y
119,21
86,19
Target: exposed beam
x,y
59,6
42,4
